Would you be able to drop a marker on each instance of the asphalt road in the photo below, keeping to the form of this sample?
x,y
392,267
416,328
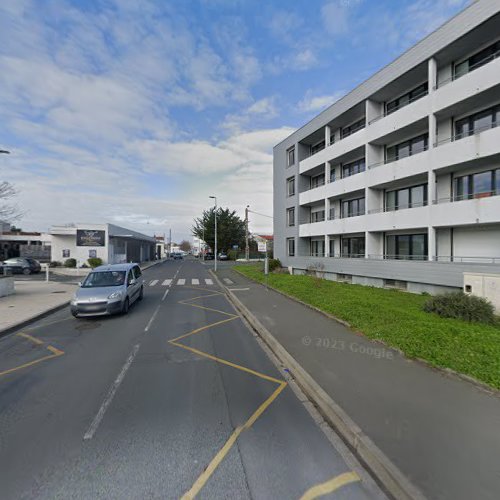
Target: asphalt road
x,y
176,398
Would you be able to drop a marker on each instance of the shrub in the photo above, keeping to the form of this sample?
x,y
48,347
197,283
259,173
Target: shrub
x,y
70,263
232,254
94,262
274,264
55,263
461,306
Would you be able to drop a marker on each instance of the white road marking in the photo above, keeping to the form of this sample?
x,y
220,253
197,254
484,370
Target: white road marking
x,y
109,397
228,281
153,283
152,318
181,281
167,283
165,294
239,289
195,281
208,281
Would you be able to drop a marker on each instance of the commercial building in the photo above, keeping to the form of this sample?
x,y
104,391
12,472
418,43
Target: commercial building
x,y
398,183
24,244
113,244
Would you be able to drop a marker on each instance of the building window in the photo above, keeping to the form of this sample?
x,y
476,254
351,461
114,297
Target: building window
x,y
290,186
290,247
354,127
397,284
415,196
92,254
66,253
318,248
317,181
316,148
318,216
407,148
353,208
332,174
406,246
479,185
290,154
353,247
331,213
406,99
477,122
290,217
479,59
353,168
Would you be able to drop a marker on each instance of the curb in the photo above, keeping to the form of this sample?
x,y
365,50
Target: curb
x,y
32,319
381,468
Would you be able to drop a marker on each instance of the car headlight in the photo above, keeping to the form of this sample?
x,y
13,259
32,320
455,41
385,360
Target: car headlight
x,y
115,295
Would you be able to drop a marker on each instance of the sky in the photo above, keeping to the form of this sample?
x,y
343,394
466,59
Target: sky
x,y
134,112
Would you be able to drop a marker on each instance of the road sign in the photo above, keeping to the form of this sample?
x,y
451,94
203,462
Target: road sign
x,y
262,246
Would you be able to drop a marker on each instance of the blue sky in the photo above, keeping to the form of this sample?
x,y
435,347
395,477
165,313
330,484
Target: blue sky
x,y
134,112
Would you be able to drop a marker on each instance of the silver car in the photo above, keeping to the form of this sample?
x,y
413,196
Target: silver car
x,y
109,289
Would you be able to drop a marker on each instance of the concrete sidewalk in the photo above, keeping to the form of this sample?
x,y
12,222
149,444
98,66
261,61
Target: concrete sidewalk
x,y
441,432
31,300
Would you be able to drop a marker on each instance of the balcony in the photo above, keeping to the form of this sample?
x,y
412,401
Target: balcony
x,y
404,218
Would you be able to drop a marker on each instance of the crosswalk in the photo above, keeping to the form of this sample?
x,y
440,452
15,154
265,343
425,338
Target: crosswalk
x,y
186,282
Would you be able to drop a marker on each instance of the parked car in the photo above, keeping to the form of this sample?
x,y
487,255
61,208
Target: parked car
x,y
209,256
22,265
109,289
177,256
223,256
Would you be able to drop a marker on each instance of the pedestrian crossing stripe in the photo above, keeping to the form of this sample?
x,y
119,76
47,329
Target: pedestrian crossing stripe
x,y
227,281
186,281
167,283
195,281
181,281
208,281
153,283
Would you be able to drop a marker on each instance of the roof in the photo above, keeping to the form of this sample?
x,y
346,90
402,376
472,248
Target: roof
x,y
268,237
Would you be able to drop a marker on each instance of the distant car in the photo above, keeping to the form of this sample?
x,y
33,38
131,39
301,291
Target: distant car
x,y
222,256
109,289
177,256
209,256
22,265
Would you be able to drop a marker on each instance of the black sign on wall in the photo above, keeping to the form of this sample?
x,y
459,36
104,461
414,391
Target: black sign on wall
x,y
90,238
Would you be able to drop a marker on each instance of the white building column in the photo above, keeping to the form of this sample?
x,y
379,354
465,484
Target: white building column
x,y
431,187
432,73
328,132
327,243
431,243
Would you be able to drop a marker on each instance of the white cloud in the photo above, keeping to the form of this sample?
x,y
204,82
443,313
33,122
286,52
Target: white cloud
x,y
311,102
335,17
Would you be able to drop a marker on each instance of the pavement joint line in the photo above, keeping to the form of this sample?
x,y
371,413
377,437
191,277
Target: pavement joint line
x,y
330,486
219,457
111,393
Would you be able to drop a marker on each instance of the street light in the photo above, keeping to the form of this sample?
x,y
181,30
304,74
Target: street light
x,y
247,249
215,214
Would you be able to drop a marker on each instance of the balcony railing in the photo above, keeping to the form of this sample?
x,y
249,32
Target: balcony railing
x,y
310,187
396,158
397,257
467,259
396,208
475,131
346,216
475,66
472,196
398,107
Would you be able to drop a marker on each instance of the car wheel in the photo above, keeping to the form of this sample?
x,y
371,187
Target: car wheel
x,y
141,293
126,306
26,271
74,314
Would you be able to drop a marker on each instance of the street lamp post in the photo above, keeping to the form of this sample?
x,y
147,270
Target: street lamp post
x,y
247,249
215,214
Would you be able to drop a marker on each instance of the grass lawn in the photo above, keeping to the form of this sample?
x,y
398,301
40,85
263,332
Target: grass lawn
x,y
397,319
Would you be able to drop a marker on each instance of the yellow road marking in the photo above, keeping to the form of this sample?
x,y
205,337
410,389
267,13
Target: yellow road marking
x,y
29,337
55,354
201,329
330,486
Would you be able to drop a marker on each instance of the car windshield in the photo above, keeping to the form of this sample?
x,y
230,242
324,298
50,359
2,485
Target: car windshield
x,y
104,278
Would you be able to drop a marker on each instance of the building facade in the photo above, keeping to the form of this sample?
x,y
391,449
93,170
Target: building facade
x,y
397,184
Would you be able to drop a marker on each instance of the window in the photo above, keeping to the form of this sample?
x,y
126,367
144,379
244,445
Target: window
x,y
318,216
406,246
137,272
317,147
290,247
407,148
318,248
290,157
352,208
65,254
477,60
406,99
415,196
477,122
290,186
290,217
331,244
477,185
354,127
317,180
331,213
332,174
353,247
353,168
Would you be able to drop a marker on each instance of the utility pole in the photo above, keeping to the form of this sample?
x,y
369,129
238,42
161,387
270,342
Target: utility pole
x,y
215,214
247,249
169,242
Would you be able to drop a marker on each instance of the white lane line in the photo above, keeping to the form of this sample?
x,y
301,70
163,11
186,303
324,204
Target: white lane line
x,y
181,281
152,318
195,281
167,283
165,294
239,289
208,281
228,281
153,283
111,393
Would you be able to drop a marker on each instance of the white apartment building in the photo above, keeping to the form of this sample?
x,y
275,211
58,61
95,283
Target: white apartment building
x,y
398,183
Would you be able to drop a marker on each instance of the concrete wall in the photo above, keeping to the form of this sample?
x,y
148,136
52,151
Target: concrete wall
x,y
6,286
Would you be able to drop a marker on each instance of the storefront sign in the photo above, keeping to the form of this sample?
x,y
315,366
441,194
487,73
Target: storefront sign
x,y
90,238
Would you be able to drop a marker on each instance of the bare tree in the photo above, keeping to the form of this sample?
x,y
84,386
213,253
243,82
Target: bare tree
x,y
8,211
185,246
